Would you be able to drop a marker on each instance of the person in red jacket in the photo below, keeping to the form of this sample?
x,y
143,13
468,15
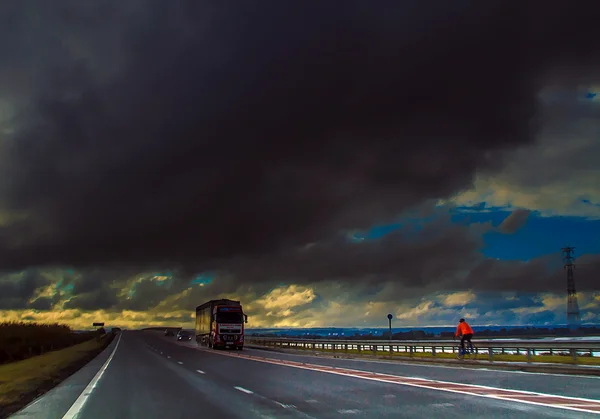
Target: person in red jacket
x,y
465,333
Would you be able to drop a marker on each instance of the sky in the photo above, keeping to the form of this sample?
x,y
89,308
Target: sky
x,y
326,165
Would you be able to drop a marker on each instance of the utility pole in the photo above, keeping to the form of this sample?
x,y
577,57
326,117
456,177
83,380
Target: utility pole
x,y
572,305
390,317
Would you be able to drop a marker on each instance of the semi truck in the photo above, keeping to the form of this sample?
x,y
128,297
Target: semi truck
x,y
220,324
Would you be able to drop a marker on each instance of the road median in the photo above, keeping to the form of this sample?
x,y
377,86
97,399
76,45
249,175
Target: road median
x,y
23,381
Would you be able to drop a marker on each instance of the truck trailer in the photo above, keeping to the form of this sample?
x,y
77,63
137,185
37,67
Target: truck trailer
x,y
220,324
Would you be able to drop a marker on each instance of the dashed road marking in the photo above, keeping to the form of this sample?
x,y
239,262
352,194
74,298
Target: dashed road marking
x,y
441,405
348,411
200,372
168,356
312,401
285,406
180,363
389,396
244,390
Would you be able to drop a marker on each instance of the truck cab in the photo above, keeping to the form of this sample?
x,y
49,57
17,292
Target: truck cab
x,y
228,327
220,324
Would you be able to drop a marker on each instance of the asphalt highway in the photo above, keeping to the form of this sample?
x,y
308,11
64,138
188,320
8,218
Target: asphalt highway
x,y
153,376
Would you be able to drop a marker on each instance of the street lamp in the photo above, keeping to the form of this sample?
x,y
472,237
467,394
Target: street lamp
x,y
390,317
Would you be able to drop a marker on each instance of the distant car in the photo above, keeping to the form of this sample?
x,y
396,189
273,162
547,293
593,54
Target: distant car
x,y
184,336
169,332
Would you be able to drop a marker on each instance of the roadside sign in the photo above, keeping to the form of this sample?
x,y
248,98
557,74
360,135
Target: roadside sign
x,y
98,324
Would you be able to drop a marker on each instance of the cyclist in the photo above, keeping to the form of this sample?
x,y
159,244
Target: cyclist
x,y
465,333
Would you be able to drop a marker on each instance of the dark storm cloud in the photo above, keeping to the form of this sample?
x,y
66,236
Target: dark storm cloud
x,y
537,275
93,279
43,304
514,221
103,298
495,301
435,252
161,132
16,289
541,317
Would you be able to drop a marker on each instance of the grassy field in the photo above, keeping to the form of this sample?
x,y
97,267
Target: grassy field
x,y
561,359
20,341
22,381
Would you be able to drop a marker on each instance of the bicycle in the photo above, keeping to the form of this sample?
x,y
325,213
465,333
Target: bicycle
x,y
470,351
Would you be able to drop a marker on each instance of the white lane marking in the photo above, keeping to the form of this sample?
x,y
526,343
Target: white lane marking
x,y
285,406
348,411
200,372
75,409
389,396
244,390
312,401
441,405
161,353
180,363
168,356
463,390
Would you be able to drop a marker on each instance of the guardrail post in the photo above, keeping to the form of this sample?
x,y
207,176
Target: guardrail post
x,y
573,354
491,354
374,349
411,350
346,347
358,348
528,354
433,351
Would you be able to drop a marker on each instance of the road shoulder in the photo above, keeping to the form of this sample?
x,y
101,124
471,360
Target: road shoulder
x,y
497,365
57,401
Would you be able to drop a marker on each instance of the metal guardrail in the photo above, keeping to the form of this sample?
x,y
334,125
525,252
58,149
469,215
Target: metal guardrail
x,y
490,347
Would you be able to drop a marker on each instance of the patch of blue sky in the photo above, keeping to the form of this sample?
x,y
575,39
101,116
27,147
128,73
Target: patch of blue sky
x,y
204,278
539,236
545,235
412,226
65,288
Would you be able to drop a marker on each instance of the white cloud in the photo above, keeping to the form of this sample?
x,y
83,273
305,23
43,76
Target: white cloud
x,y
458,298
285,297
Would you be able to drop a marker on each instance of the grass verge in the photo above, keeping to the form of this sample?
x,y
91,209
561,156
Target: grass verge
x,y
23,381
557,359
